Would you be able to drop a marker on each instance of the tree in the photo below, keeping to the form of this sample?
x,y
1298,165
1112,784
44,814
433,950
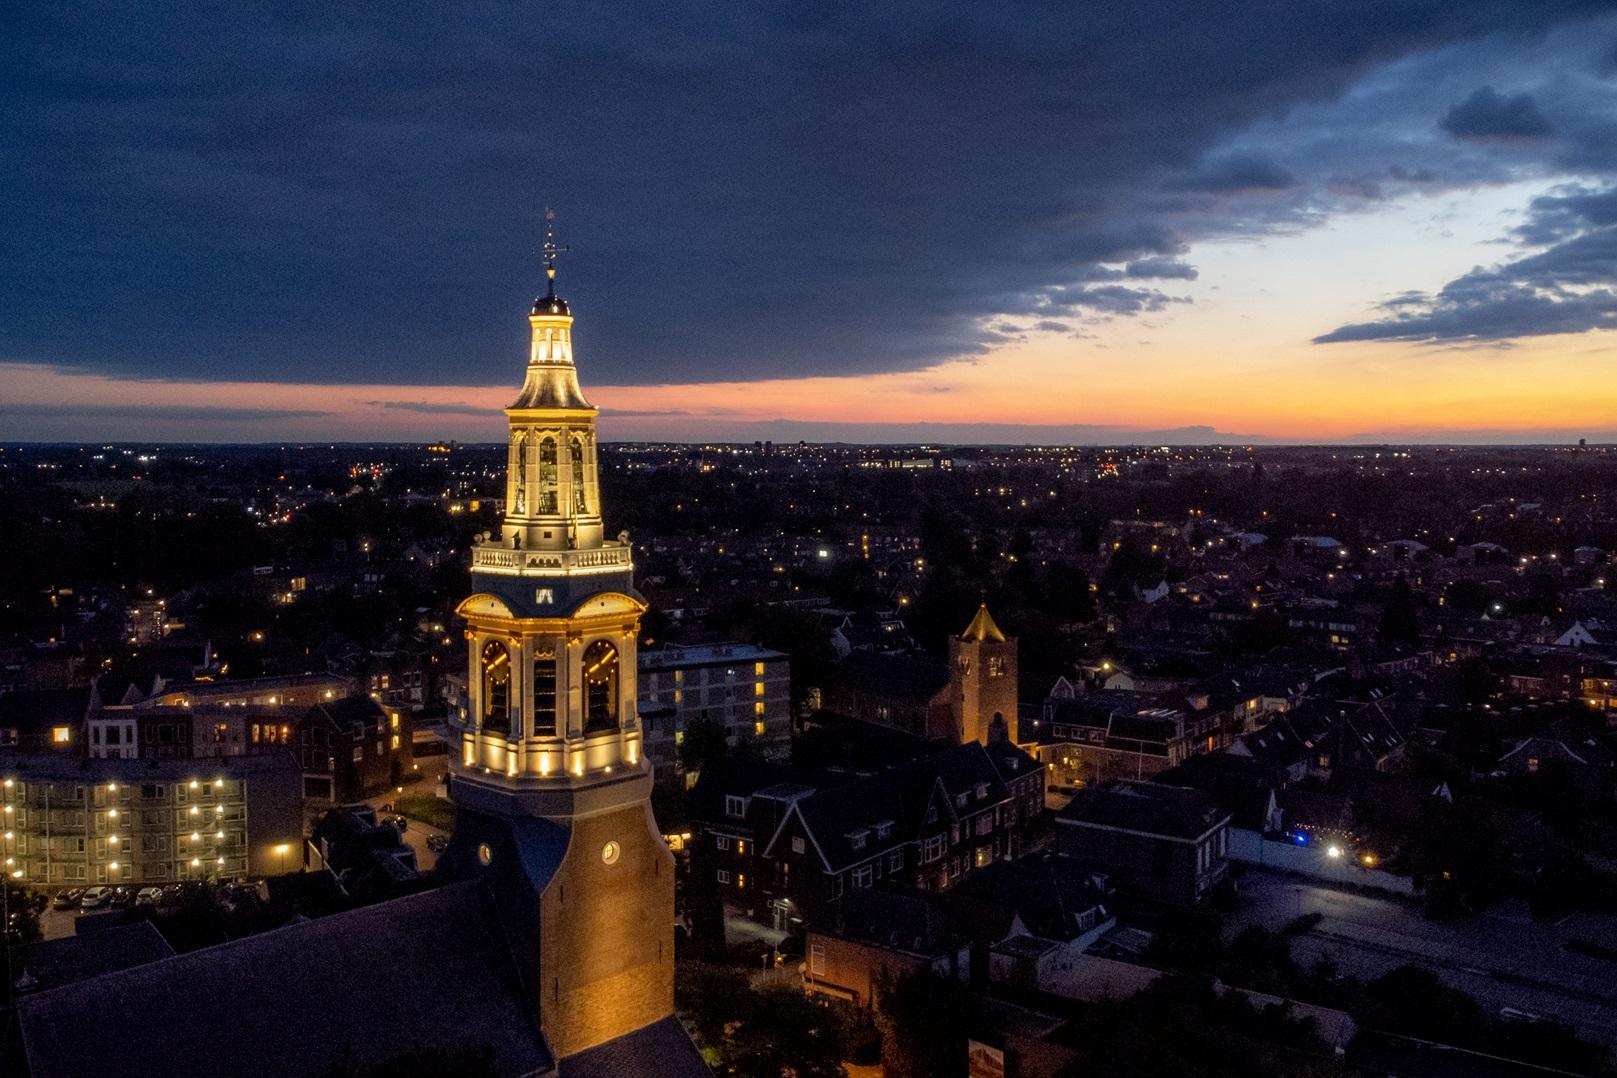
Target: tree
x,y
806,640
1215,1035
925,1021
1400,626
23,907
760,1033
704,740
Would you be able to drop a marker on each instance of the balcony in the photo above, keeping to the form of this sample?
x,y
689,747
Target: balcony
x,y
488,558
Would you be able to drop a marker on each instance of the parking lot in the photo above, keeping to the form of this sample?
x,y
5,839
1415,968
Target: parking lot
x,y
60,918
1502,958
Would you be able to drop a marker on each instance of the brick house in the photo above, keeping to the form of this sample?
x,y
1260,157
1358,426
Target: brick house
x,y
1158,843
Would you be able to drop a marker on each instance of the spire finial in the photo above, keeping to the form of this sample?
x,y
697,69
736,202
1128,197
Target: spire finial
x,y
550,249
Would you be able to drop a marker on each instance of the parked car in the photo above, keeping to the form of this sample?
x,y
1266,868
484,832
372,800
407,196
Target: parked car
x,y
171,894
437,843
95,898
122,898
68,899
400,822
148,896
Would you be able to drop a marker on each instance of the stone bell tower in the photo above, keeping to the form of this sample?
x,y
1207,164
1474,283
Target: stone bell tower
x,y
983,680
548,771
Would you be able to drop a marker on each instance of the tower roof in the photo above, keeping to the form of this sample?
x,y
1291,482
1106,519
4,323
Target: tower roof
x,y
982,627
550,304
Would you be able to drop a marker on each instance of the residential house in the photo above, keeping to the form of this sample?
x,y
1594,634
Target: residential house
x,y
1156,843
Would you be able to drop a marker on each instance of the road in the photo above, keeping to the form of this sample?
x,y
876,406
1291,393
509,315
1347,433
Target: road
x,y
417,833
1502,958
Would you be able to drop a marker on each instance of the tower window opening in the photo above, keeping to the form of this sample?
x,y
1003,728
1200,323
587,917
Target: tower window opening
x,y
544,696
496,675
521,498
600,687
580,504
547,476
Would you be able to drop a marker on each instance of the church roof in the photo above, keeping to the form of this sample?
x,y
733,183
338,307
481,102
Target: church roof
x,y
663,1049
428,970
982,627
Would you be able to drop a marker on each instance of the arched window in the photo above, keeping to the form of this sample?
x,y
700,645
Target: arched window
x,y
579,505
600,687
496,674
544,696
522,474
547,476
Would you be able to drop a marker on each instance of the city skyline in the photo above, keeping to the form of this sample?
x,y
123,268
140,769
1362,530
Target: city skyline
x,y
1321,227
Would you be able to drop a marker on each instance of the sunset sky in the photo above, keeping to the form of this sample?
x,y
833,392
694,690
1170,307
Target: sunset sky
x,y
1273,220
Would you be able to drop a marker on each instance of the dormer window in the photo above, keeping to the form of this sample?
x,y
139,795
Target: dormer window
x,y
982,791
735,806
884,829
961,799
856,839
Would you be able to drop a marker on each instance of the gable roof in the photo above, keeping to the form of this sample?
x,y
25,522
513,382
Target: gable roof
x,y
297,999
663,1049
887,918
53,963
1147,807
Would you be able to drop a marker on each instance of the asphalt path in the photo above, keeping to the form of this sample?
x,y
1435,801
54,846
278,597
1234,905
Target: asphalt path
x,y
1502,958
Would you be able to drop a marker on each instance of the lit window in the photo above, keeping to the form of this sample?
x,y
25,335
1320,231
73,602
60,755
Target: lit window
x,y
758,728
61,735
757,688
758,708
758,668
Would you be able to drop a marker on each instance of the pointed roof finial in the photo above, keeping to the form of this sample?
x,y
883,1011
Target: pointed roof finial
x,y
550,303
550,249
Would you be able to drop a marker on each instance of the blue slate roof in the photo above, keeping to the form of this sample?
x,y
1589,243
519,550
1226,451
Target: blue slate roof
x,y
431,970
662,1049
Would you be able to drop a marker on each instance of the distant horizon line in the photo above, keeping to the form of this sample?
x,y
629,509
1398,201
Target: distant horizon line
x,y
1252,444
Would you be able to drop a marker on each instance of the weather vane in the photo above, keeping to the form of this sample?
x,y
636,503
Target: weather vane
x,y
550,249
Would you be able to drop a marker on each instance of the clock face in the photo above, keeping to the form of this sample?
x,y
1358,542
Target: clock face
x,y
610,852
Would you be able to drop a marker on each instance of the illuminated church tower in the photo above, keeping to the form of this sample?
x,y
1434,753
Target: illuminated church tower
x,y
549,776
983,681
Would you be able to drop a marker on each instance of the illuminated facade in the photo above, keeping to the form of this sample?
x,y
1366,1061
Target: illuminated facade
x,y
71,822
548,768
982,681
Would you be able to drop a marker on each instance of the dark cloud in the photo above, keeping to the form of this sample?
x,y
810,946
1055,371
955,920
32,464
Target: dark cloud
x,y
1569,287
297,193
1240,173
1488,114
1161,269
1052,326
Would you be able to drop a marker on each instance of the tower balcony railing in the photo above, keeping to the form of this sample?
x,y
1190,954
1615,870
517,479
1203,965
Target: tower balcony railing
x,y
491,558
